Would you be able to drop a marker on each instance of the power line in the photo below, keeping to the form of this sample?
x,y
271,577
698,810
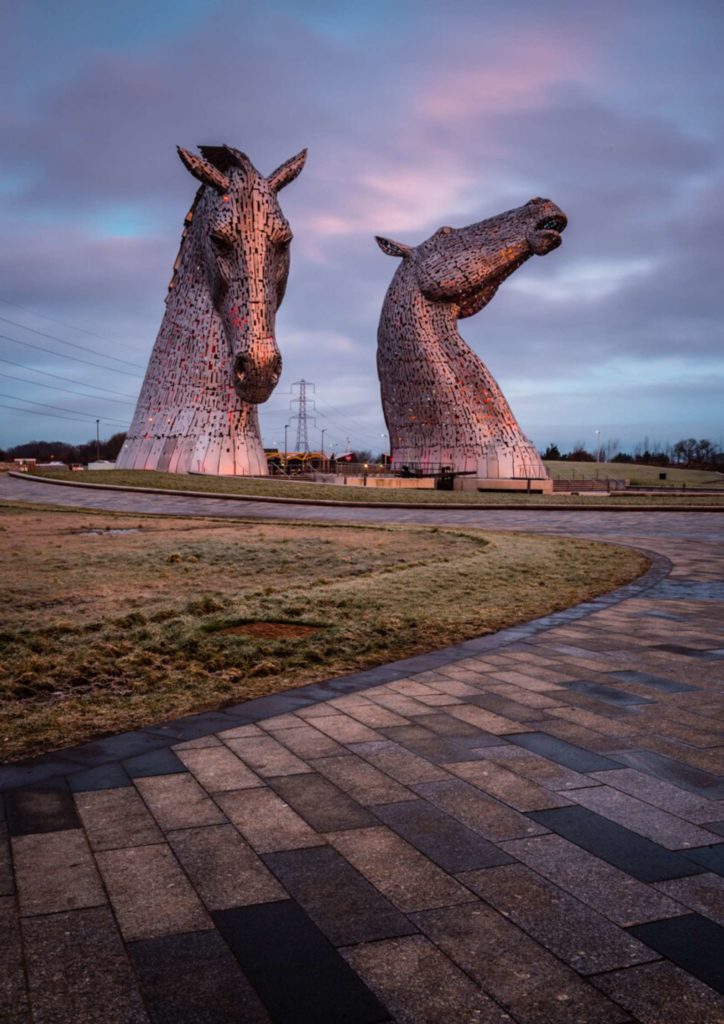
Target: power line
x,y
301,415
51,415
68,380
54,387
73,344
61,323
62,355
60,408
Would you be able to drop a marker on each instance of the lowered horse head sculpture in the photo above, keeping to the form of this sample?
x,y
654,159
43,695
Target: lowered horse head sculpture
x,y
216,357
442,406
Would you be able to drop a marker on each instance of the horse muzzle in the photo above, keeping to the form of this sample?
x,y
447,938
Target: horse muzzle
x,y
254,378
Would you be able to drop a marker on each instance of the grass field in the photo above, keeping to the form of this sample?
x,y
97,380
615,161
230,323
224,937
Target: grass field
x,y
642,476
111,622
293,489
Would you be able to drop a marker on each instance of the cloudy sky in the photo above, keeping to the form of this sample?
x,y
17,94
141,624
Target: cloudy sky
x,y
416,113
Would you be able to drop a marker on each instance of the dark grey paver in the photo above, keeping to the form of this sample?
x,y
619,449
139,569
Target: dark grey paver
x,y
664,795
7,881
194,979
709,857
692,942
611,892
420,985
13,996
577,934
514,969
617,845
223,868
608,694
35,772
156,762
661,993
299,975
440,837
568,754
444,748
78,970
321,804
670,770
107,776
660,683
343,904
116,748
40,809
151,895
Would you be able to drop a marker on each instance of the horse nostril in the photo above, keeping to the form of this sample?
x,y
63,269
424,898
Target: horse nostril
x,y
240,369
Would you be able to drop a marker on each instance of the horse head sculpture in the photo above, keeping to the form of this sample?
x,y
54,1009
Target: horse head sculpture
x,y
441,404
245,250
216,356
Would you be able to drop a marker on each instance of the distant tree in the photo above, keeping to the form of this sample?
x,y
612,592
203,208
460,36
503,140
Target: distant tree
x,y
579,454
552,453
622,457
685,451
362,455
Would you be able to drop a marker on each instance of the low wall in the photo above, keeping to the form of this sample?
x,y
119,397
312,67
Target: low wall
x,y
475,483
389,482
604,484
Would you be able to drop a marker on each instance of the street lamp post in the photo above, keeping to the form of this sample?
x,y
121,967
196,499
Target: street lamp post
x,y
98,440
323,431
286,452
598,446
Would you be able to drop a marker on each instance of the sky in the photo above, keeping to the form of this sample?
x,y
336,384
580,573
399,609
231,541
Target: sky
x,y
415,114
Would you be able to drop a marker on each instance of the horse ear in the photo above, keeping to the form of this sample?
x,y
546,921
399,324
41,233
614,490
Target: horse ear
x,y
287,172
204,171
393,248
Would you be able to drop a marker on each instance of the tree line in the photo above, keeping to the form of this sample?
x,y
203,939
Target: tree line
x,y
61,451
688,453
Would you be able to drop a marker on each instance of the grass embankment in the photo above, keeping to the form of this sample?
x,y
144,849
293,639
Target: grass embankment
x,y
103,631
273,487
640,476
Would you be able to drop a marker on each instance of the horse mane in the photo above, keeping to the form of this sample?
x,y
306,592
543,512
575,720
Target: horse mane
x,y
184,233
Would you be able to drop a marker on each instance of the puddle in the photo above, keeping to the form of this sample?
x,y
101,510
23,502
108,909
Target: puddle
x,y
271,630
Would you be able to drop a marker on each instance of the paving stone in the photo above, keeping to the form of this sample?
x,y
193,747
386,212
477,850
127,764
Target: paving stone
x,y
477,810
267,822
266,756
608,694
661,993
307,742
338,899
659,683
299,975
197,744
406,877
7,882
177,801
420,985
443,839
574,932
443,749
218,769
13,996
322,805
402,765
640,817
485,720
191,727
716,827
668,769
151,895
506,707
115,818
617,845
567,754
37,771
344,729
223,869
364,783
703,893
443,724
157,762
107,776
406,707
663,795
540,770
514,969
506,786
692,942
40,809
613,893
55,871
116,748
710,857
280,722
78,970
194,979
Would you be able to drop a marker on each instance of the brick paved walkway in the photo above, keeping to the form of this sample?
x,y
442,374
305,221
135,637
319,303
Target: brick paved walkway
x,y
524,828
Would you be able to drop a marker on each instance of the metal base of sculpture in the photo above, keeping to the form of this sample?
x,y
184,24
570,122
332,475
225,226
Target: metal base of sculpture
x,y
443,408
216,358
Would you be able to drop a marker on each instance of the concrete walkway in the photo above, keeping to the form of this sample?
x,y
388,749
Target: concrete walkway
x,y
527,827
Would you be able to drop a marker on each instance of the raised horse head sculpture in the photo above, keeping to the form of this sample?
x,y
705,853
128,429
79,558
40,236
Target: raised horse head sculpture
x,y
442,406
216,356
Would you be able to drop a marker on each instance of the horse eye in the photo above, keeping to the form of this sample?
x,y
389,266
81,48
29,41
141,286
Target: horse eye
x,y
222,244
